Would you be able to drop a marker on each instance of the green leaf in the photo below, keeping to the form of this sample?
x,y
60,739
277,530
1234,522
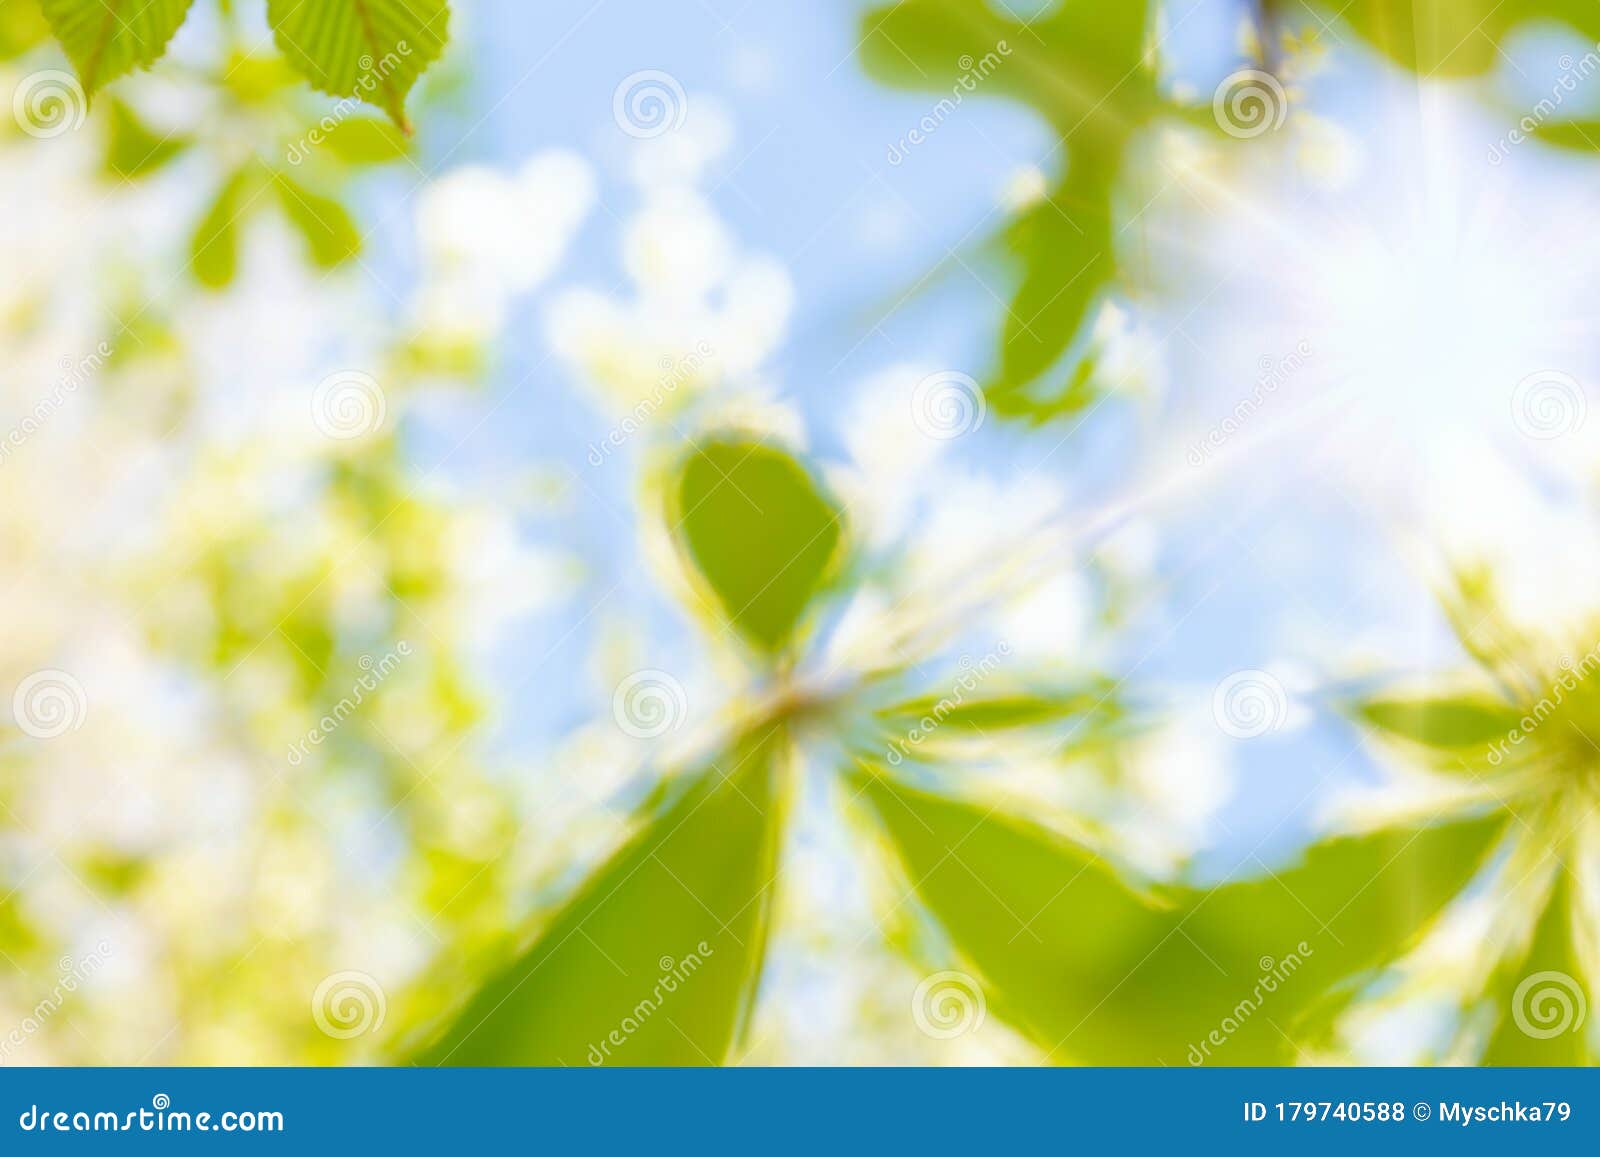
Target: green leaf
x,y
366,141
21,27
1096,972
1580,135
106,38
214,248
1443,38
1083,68
759,530
330,233
1064,245
373,50
134,150
1357,902
1463,721
1003,712
657,959
1542,1001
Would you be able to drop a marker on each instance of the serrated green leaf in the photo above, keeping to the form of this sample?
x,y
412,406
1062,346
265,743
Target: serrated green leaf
x,y
214,248
1445,722
372,50
1097,973
657,959
330,233
105,39
133,149
759,531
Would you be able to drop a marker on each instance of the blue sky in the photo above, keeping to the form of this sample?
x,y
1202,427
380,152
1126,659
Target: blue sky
x,y
808,181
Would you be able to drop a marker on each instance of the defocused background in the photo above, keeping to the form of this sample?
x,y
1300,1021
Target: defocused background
x,y
329,532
